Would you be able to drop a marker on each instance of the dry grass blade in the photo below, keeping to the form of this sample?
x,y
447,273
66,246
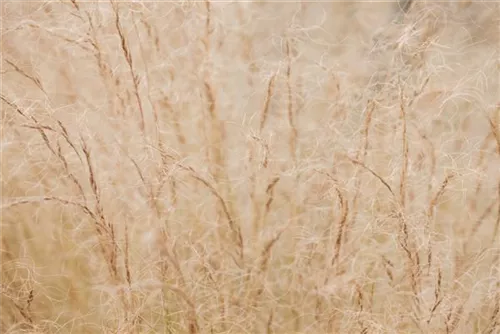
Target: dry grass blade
x,y
33,79
345,211
290,107
270,194
66,137
359,163
404,169
267,101
439,194
13,105
49,198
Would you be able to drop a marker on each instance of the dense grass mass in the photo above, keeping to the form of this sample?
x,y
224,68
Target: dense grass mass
x,y
250,167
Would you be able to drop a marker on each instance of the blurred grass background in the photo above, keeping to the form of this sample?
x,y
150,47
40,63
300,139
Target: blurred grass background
x,y
250,167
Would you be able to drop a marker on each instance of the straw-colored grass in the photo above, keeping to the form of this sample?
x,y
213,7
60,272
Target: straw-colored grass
x,y
250,167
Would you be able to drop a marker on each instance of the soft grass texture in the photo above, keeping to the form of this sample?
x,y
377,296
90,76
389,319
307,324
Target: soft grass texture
x,y
250,167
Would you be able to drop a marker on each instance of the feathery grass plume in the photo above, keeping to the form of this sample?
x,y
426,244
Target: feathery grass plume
x,y
128,57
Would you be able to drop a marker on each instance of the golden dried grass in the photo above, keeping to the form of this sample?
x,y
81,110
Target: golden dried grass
x,y
213,167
